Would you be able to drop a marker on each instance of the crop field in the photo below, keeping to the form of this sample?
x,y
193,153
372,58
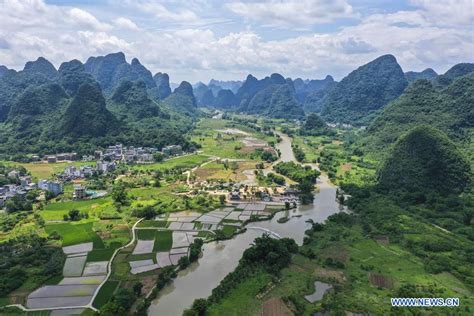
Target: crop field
x,y
163,241
311,146
220,144
74,266
105,293
158,224
145,234
100,254
55,211
218,171
72,233
46,170
185,162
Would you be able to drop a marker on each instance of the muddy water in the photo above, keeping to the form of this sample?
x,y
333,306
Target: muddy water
x,y
285,148
220,258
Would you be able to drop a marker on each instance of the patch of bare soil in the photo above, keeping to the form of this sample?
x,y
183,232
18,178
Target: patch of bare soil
x,y
275,307
379,280
346,167
383,240
324,273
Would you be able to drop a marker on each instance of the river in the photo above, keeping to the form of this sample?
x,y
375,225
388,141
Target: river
x,y
220,258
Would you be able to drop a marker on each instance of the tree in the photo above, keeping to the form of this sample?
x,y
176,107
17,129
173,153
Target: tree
x,y
158,157
137,288
74,215
306,191
119,195
195,249
183,262
222,199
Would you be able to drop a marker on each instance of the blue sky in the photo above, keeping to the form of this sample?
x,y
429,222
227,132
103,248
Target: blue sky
x,y
204,39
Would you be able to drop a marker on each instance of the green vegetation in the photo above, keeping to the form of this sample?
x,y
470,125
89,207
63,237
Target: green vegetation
x,y
314,125
101,254
72,233
266,255
105,293
163,241
55,211
184,162
45,114
271,96
297,172
425,161
448,110
27,262
364,90
146,234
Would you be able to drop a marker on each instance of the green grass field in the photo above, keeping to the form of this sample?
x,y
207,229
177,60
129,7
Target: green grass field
x,y
163,241
100,254
55,211
226,146
160,224
47,170
145,234
185,162
242,299
75,233
105,293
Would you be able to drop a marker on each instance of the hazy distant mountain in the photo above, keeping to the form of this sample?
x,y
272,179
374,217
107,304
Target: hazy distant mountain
x,y
182,99
272,96
232,85
162,81
305,87
111,69
365,90
204,95
428,74
226,99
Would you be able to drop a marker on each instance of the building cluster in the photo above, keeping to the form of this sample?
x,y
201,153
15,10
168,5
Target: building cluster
x,y
74,173
10,190
57,158
120,153
265,194
55,187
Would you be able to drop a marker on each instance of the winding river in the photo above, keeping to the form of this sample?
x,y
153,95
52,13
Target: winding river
x,y
220,258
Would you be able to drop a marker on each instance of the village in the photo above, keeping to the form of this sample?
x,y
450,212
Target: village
x,y
105,161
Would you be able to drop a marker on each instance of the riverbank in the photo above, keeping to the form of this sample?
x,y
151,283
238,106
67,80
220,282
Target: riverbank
x,y
221,257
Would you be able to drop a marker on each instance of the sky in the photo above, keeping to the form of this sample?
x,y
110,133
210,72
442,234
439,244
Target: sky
x,y
203,39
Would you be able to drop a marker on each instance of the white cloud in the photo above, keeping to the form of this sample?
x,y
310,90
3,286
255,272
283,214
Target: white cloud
x,y
31,28
292,13
125,23
87,20
448,12
162,13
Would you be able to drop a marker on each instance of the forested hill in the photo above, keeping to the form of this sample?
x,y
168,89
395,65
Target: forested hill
x,y
425,160
449,109
81,106
370,87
